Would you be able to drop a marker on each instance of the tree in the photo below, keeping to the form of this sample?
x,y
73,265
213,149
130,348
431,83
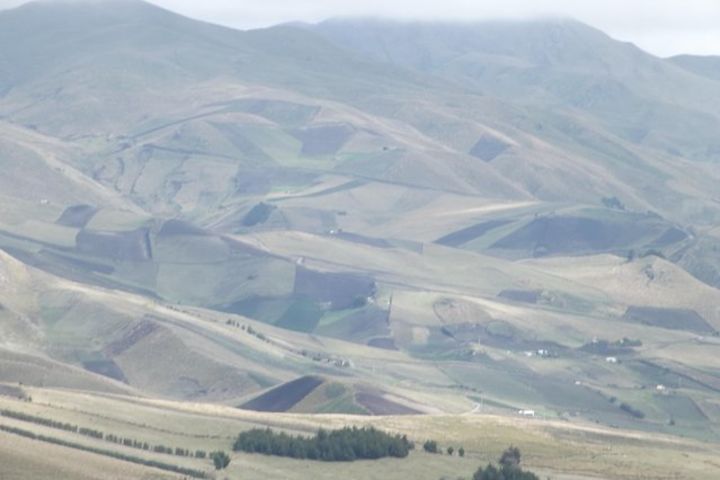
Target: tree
x,y
510,458
491,472
509,468
430,446
461,451
613,203
450,451
220,459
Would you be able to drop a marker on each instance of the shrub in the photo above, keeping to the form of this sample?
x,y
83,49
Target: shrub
x,y
613,203
220,459
510,458
509,468
430,446
632,410
258,214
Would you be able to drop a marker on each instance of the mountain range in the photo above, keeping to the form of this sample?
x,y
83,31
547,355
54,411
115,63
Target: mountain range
x,y
360,217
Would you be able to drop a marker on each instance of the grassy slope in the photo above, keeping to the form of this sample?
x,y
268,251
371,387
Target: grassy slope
x,y
551,448
403,177
23,458
581,300
439,287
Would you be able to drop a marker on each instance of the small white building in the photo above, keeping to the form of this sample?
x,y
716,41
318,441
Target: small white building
x,y
526,413
611,359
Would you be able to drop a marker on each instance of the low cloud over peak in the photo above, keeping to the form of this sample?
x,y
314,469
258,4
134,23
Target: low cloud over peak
x,y
663,27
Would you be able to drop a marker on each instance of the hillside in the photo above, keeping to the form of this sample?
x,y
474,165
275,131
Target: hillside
x,y
555,449
601,101
437,224
707,66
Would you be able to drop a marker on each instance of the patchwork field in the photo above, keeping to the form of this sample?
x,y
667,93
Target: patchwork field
x,y
484,234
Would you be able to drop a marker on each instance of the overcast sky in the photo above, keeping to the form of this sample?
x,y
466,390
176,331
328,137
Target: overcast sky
x,y
663,27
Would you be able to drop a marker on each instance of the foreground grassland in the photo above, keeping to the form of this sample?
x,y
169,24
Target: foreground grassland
x,y
559,450
22,458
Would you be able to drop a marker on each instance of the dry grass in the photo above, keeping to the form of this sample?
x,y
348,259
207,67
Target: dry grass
x,y
24,459
558,449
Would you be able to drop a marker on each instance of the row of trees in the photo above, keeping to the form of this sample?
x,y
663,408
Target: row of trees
x,y
46,422
431,446
189,472
109,437
343,445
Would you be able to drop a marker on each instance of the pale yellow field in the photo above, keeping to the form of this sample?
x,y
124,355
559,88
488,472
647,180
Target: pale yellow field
x,y
557,449
24,459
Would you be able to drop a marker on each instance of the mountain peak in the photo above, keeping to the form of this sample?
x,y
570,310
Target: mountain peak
x,y
94,12
429,45
80,3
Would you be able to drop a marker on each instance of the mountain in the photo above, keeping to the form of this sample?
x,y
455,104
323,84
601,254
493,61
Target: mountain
x,y
357,218
707,66
554,58
590,117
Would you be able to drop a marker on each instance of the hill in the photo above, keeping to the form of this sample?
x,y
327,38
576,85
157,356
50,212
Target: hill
x,y
549,448
707,66
599,100
442,224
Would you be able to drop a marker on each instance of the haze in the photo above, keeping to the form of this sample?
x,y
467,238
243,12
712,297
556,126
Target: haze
x,y
296,252
662,27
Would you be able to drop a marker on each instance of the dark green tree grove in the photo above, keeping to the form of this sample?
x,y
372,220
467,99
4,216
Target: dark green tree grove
x,y
347,444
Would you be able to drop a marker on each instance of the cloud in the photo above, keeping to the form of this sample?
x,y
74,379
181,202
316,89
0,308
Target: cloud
x,y
663,27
